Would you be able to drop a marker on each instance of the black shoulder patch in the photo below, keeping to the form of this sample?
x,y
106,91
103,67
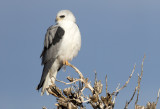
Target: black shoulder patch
x,y
58,36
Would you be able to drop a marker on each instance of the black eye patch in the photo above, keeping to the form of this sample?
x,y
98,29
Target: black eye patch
x,y
62,16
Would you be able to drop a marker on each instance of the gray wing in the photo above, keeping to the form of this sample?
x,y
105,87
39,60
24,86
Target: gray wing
x,y
52,43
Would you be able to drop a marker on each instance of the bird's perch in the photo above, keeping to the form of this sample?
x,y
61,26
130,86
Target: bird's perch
x,y
73,97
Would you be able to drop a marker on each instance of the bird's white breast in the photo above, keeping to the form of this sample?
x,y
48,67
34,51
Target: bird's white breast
x,y
71,41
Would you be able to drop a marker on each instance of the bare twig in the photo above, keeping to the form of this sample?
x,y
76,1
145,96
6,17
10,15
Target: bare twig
x,y
139,79
132,95
116,93
75,80
157,96
106,85
126,81
87,100
76,69
127,103
82,79
95,79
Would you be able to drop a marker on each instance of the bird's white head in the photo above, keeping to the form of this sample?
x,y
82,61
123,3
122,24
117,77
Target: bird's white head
x,y
65,15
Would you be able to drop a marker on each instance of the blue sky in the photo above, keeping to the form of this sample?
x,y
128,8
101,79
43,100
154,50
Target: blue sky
x,y
115,36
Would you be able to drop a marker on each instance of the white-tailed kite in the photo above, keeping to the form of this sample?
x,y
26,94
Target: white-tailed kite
x,y
62,43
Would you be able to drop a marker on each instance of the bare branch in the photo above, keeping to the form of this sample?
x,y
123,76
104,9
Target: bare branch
x,y
126,81
133,95
75,80
76,69
116,93
158,96
106,85
139,79
95,76
83,80
127,103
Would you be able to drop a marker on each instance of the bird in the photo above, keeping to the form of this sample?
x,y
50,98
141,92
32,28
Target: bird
x,y
61,44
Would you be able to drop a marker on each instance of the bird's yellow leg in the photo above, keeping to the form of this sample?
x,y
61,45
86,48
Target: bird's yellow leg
x,y
65,63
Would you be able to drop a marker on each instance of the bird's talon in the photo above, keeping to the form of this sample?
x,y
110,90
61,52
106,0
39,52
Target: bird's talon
x,y
65,63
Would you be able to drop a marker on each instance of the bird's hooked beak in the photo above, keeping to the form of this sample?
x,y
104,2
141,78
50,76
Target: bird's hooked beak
x,y
57,19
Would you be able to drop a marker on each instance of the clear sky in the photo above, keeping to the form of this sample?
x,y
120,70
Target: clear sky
x,y
115,36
